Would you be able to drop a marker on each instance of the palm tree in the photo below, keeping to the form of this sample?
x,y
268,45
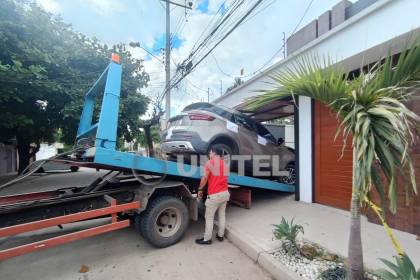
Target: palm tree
x,y
371,111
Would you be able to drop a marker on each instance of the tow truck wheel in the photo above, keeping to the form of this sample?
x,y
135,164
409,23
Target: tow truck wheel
x,y
164,222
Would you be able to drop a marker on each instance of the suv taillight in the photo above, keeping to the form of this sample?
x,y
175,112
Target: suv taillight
x,y
200,117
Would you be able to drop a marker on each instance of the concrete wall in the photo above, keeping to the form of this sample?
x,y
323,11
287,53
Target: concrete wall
x,y
328,20
338,13
324,23
8,159
302,37
358,6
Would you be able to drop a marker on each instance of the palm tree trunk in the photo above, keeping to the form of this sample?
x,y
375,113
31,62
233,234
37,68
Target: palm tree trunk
x,y
355,250
355,253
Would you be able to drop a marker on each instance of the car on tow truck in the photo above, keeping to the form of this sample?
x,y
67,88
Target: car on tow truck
x,y
204,126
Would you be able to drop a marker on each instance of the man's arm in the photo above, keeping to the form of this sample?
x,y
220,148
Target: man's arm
x,y
203,181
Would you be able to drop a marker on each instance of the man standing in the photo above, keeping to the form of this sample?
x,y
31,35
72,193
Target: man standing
x,y
215,176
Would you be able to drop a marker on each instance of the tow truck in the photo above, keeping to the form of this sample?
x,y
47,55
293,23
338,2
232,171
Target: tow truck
x,y
157,196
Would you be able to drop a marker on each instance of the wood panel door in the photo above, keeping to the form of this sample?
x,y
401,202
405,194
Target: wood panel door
x,y
333,174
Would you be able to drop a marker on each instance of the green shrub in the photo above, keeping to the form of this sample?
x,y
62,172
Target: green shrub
x,y
403,269
286,231
336,273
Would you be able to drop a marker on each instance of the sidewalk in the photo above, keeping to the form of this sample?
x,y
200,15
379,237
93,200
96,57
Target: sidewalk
x,y
324,225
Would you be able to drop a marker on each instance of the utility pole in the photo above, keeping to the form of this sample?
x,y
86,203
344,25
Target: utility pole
x,y
221,88
284,45
168,63
168,55
208,95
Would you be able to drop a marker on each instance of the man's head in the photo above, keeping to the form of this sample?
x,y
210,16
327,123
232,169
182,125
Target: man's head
x,y
215,151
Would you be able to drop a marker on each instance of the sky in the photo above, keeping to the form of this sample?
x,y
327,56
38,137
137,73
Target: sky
x,y
251,46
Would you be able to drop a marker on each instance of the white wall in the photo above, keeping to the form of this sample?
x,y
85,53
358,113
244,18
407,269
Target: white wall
x,y
289,135
305,149
45,151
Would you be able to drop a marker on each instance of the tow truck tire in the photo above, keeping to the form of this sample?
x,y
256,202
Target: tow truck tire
x,y
164,222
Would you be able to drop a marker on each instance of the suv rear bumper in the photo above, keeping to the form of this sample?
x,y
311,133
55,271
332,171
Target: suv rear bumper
x,y
177,147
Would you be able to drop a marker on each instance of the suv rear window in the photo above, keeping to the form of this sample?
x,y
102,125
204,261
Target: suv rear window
x,y
219,111
210,108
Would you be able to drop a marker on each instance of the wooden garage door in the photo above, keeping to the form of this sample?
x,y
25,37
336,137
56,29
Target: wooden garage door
x,y
332,174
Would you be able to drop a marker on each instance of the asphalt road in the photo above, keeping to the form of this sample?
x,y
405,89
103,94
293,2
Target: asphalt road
x,y
122,254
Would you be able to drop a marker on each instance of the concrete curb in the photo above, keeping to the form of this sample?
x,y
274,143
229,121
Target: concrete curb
x,y
258,255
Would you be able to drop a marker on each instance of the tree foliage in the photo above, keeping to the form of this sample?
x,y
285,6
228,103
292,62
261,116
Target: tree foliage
x,y
237,82
45,69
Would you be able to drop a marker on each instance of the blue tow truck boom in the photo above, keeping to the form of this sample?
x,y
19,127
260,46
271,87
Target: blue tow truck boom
x,y
160,207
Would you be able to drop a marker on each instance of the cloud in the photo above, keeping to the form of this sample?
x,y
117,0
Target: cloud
x,y
105,7
51,6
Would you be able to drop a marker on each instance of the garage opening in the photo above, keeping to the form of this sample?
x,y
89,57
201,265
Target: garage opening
x,y
279,119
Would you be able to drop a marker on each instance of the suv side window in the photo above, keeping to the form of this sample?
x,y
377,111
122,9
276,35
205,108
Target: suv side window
x,y
262,131
245,122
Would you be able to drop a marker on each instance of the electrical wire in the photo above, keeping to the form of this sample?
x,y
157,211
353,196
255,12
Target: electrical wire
x,y
154,56
197,87
220,68
277,51
249,11
303,16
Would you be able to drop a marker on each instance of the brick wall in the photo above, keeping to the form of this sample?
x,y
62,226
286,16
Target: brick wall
x,y
407,217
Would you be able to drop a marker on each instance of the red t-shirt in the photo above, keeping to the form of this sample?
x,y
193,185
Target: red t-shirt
x,y
217,178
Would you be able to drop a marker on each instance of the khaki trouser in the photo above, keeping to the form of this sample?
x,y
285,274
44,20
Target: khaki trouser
x,y
216,202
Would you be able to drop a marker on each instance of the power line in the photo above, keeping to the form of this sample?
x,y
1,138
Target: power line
x,y
258,12
277,51
303,16
216,44
265,64
197,87
220,69
160,60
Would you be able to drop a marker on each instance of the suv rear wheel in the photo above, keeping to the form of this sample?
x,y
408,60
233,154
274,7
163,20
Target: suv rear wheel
x,y
226,150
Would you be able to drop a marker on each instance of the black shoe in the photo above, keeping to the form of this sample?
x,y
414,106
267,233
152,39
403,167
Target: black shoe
x,y
220,238
201,241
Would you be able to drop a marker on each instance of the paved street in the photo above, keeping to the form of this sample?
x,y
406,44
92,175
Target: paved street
x,y
124,254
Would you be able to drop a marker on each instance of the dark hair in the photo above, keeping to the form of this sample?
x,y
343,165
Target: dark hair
x,y
218,151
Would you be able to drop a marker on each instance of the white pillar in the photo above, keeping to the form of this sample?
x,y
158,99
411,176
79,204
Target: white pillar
x,y
305,149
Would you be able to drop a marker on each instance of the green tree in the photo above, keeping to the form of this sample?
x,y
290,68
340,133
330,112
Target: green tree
x,y
150,128
46,68
372,111
237,82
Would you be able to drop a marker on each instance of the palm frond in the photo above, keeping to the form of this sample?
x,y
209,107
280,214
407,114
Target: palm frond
x,y
309,77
